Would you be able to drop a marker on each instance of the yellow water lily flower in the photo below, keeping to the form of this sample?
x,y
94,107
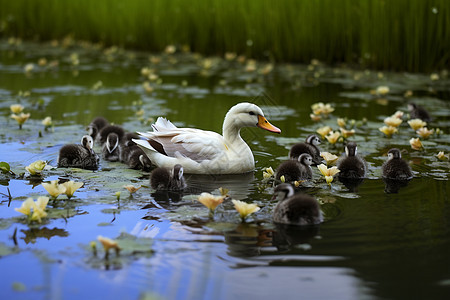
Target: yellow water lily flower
x,y
131,188
170,49
333,137
416,144
38,208
398,114
282,179
347,133
323,131
388,130
441,156
54,188
315,117
230,56
417,124
71,187
35,168
210,201
424,132
393,121
328,172
434,76
26,207
341,122
22,118
268,173
28,68
47,122
321,108
245,209
16,108
107,244
382,90
329,158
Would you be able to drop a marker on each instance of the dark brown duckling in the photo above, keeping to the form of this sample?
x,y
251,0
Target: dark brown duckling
x,y
395,167
126,145
294,170
418,112
295,209
79,156
111,150
164,179
103,134
96,125
310,146
137,159
352,165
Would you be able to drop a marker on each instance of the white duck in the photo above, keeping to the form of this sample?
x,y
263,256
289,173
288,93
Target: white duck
x,y
206,152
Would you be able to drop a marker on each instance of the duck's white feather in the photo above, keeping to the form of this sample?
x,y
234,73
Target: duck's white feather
x,y
201,151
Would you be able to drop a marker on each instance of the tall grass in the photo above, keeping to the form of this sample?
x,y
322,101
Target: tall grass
x,y
410,35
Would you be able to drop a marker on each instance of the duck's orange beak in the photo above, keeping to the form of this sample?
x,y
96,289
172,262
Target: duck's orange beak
x,y
264,124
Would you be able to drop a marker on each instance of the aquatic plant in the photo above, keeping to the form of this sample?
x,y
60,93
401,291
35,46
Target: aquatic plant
x,y
47,122
268,173
388,130
424,132
35,168
328,173
416,144
245,209
441,156
107,244
393,121
329,158
71,187
16,108
131,188
54,188
210,201
21,119
323,131
416,124
333,137
35,210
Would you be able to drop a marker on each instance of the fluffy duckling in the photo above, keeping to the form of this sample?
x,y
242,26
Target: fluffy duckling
x,y
111,150
418,112
352,165
126,145
395,167
96,125
79,156
108,129
137,159
310,146
295,209
164,179
294,170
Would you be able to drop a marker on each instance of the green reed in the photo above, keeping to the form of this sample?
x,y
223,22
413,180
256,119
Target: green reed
x,y
410,35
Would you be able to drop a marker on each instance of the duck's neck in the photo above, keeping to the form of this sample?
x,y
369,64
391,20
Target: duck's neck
x,y
231,133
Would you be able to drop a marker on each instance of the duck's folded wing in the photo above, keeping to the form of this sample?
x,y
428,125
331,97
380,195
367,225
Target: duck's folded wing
x,y
197,145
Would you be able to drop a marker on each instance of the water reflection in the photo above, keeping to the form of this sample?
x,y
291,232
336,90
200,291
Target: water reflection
x,y
287,236
33,233
393,186
351,183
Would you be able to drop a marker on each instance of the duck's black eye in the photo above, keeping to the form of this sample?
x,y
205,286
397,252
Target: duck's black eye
x,y
251,113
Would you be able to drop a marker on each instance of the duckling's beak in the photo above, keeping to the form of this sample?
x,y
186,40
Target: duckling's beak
x,y
264,124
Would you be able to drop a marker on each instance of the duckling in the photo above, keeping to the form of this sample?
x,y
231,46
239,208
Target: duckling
x,y
164,179
395,167
295,209
79,156
108,129
352,165
294,170
126,145
137,159
418,112
111,149
96,125
310,146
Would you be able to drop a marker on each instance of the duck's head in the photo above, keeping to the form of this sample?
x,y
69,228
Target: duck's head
x,y
248,115
305,159
313,140
92,130
283,191
87,142
394,153
112,141
351,149
177,172
412,106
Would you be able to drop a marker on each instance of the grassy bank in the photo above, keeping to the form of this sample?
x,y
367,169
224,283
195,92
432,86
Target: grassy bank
x,y
410,35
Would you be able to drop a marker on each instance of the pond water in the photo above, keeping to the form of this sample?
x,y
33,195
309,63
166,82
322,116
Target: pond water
x,y
377,241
